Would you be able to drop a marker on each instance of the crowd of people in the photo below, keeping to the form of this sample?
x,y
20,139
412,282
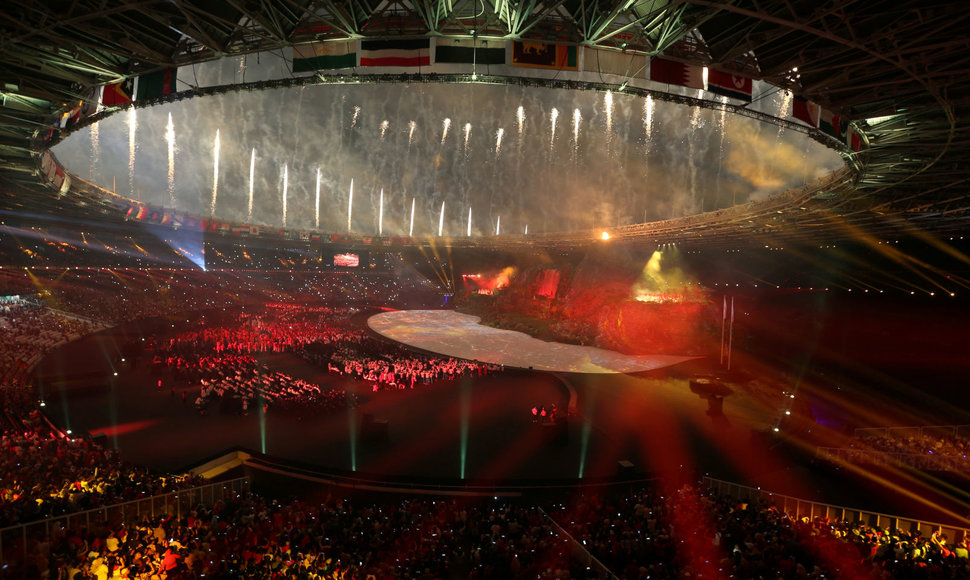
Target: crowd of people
x,y
940,449
254,385
47,474
246,536
221,359
635,534
387,366
28,330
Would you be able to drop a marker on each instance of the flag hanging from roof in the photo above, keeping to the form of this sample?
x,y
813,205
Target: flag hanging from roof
x,y
92,97
853,139
729,85
399,52
671,72
832,123
118,93
613,62
156,84
468,51
805,111
325,56
542,55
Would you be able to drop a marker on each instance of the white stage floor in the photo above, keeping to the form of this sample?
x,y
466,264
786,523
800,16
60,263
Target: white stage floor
x,y
460,335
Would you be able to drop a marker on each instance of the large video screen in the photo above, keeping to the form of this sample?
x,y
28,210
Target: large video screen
x,y
346,260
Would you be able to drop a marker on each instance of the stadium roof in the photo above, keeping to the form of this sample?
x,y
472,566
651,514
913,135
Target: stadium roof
x,y
898,70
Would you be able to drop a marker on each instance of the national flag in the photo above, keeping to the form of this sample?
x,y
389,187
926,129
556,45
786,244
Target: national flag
x,y
70,116
729,85
239,229
314,237
543,55
805,111
47,164
468,51
213,226
853,139
225,227
305,236
367,239
671,72
832,123
118,93
399,52
59,178
254,230
613,62
156,84
89,106
325,55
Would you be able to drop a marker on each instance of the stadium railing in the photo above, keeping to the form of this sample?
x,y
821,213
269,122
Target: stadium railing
x,y
17,540
802,508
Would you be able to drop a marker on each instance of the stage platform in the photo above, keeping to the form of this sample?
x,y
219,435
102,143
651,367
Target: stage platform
x,y
462,336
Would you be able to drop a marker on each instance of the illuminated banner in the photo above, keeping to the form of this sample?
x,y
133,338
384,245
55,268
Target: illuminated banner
x,y
542,55
346,260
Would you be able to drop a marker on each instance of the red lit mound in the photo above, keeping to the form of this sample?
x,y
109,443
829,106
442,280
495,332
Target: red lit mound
x,y
626,307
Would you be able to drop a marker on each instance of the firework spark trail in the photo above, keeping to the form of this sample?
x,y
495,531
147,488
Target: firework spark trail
x,y
498,141
215,174
384,125
350,204
695,117
353,121
783,110
380,216
441,219
608,105
720,163
553,117
469,232
95,149
411,127
577,118
411,228
252,176
498,225
286,183
444,129
468,132
648,106
520,117
170,137
316,213
132,126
